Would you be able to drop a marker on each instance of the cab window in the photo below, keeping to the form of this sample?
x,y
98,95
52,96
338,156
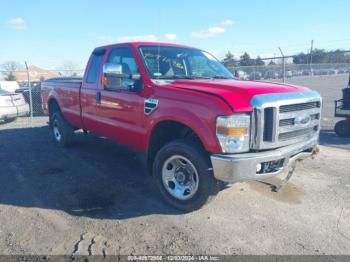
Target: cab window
x,y
95,65
125,58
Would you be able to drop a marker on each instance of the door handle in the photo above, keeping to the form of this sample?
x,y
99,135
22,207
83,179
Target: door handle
x,y
98,97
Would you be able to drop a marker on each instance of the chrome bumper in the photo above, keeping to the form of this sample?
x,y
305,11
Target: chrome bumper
x,y
243,167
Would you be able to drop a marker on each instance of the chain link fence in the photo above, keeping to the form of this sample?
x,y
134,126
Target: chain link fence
x,y
276,71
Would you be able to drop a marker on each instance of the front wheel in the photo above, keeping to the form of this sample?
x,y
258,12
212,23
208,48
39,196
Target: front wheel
x,y
183,174
342,128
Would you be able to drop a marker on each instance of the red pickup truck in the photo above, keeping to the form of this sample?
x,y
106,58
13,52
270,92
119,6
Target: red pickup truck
x,y
199,127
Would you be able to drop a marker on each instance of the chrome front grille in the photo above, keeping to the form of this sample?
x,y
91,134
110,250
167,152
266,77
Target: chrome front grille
x,y
299,107
297,133
287,122
283,119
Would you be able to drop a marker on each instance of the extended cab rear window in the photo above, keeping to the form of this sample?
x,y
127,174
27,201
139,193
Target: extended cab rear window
x,y
95,66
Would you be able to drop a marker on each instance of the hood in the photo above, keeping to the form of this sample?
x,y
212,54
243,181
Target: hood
x,y
236,93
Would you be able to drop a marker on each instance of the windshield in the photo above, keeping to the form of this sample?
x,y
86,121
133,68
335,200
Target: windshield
x,y
168,62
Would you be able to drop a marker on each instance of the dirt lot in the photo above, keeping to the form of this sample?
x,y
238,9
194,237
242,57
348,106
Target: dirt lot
x,y
95,198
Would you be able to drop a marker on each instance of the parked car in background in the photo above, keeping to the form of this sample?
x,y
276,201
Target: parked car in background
x,y
332,71
306,72
270,75
342,71
297,73
289,73
241,75
255,75
12,105
9,86
321,72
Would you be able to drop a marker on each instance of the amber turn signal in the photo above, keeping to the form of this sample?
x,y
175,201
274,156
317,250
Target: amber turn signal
x,y
233,131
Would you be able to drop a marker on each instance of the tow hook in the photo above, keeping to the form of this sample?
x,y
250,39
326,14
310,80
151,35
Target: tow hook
x,y
315,151
286,179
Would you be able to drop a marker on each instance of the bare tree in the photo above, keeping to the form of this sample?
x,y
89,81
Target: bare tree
x,y
69,68
9,68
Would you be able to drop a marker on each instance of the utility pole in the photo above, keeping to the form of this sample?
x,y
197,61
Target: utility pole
x,y
284,65
312,46
30,96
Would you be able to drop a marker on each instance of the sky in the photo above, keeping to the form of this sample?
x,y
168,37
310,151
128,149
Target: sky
x,y
51,33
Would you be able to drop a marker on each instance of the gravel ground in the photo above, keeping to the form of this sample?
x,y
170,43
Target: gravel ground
x,y
96,198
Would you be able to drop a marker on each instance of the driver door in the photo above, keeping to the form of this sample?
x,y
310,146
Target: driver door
x,y
120,107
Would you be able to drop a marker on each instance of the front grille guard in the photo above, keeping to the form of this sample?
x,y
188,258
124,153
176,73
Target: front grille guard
x,y
261,102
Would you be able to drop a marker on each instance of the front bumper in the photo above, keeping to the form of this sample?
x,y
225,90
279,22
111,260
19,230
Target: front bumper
x,y
243,167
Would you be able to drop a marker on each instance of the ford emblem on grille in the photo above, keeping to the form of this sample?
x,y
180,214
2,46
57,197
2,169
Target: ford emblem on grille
x,y
302,120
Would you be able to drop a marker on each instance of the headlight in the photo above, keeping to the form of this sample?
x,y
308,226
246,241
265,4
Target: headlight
x,y
233,133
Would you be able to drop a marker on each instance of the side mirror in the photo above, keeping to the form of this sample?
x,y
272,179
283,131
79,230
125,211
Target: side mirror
x,y
135,76
113,70
115,79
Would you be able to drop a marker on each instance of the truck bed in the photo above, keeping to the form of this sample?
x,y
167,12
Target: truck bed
x,y
67,92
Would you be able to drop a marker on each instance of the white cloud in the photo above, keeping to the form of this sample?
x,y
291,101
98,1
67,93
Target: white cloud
x,y
170,37
210,32
227,22
216,30
135,38
213,30
17,23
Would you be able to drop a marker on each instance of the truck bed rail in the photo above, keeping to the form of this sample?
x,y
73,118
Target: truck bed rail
x,y
65,79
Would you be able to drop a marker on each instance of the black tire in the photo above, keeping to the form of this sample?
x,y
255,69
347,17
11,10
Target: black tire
x,y
342,128
61,130
208,186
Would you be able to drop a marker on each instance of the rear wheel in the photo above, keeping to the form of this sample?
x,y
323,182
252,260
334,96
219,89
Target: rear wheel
x,y
61,130
183,174
342,128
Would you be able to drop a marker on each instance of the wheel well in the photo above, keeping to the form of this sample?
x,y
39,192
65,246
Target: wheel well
x,y
166,132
